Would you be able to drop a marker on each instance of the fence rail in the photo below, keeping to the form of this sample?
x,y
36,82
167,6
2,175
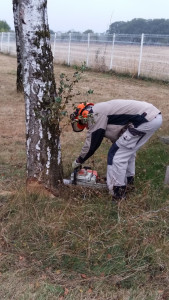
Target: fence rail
x,y
141,55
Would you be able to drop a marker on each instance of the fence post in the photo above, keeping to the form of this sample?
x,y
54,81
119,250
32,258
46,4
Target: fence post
x,y
8,41
88,45
141,52
2,35
54,46
68,59
112,51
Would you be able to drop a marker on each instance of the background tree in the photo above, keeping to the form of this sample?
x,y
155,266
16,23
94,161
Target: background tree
x,y
52,31
44,165
88,31
19,79
4,27
139,26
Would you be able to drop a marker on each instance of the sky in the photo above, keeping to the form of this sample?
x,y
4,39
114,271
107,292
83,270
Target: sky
x,y
97,15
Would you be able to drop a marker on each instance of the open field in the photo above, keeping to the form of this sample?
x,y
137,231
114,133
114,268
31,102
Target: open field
x,y
119,53
77,246
121,59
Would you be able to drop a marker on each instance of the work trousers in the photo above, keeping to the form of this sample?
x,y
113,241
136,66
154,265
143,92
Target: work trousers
x,y
122,154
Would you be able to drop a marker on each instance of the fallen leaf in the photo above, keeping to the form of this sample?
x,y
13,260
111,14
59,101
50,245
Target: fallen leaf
x,y
37,284
66,292
21,257
83,276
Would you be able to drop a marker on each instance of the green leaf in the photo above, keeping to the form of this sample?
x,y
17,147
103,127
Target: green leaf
x,y
64,113
90,91
58,99
62,75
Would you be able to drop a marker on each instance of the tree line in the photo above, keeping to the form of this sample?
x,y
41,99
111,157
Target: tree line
x,y
135,26
139,26
4,27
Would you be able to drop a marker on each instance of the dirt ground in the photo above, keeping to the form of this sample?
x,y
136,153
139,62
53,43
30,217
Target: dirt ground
x,y
105,86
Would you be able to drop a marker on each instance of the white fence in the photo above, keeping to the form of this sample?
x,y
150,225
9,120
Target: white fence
x,y
142,55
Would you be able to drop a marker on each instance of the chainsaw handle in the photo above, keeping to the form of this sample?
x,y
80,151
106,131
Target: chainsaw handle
x,y
75,174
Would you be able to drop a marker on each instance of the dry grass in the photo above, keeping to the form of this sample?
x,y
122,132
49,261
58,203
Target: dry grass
x,y
77,246
122,58
125,58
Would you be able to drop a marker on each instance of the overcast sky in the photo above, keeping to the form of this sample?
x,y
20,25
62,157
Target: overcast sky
x,y
80,15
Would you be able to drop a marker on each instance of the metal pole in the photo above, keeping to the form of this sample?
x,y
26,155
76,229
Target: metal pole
x,y
54,46
141,52
8,41
69,48
2,35
88,45
112,52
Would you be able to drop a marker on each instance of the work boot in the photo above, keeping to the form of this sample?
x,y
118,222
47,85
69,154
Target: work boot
x,y
130,184
119,193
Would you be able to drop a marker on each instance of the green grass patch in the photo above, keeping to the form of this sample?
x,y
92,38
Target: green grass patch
x,y
151,163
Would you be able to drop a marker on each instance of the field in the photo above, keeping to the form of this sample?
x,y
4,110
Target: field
x,y
121,59
124,55
77,246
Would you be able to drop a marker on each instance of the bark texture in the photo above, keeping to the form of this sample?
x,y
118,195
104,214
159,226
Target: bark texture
x,y
19,79
44,163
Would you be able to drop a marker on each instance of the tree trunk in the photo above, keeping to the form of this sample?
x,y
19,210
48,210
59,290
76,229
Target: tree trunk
x,y
44,164
19,79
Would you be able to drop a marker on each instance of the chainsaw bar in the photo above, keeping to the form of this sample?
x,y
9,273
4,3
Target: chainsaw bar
x,y
97,185
91,185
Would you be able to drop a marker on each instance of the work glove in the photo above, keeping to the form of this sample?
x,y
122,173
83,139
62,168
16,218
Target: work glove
x,y
76,164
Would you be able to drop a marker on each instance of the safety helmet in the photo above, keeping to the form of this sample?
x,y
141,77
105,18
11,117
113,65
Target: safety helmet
x,y
79,116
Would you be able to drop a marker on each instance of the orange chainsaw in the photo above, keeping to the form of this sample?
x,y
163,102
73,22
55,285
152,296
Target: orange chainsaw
x,y
86,177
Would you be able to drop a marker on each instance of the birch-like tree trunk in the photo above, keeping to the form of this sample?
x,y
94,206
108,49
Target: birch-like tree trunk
x,y
19,79
44,165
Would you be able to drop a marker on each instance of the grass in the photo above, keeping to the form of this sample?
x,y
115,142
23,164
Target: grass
x,y
87,245
77,245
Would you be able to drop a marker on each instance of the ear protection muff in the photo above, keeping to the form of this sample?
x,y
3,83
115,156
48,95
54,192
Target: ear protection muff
x,y
84,112
83,109
79,116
